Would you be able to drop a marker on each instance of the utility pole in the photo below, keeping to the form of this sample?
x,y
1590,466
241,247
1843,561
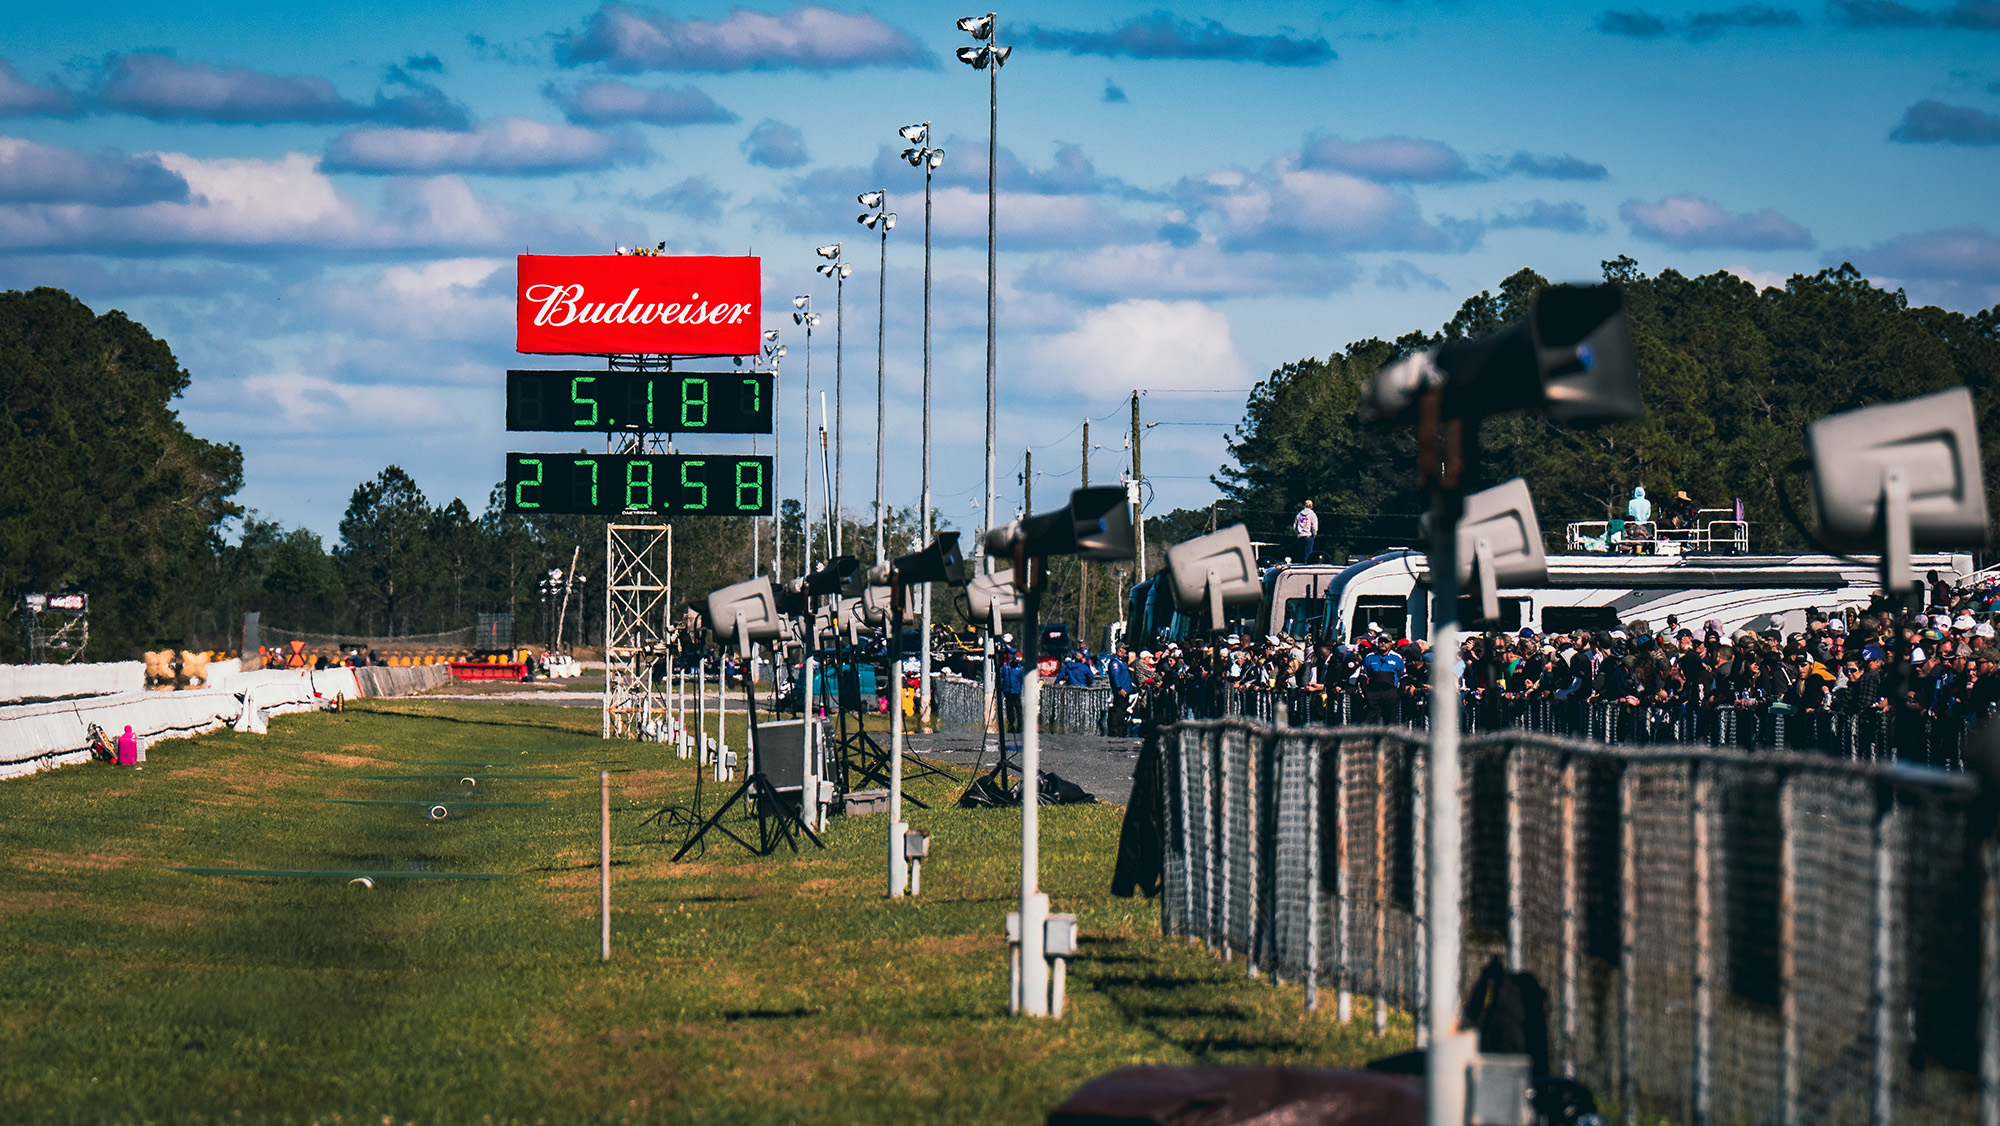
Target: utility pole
x,y
1083,568
1027,487
1139,492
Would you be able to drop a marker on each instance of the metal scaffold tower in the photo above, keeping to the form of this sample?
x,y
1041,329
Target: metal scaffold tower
x,y
638,599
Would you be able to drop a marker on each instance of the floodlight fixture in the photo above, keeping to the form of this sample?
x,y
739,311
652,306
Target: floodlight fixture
x,y
986,594
801,301
746,612
940,562
979,27
871,199
1572,356
1898,476
1215,570
771,335
1094,525
831,250
936,158
1500,541
915,134
830,576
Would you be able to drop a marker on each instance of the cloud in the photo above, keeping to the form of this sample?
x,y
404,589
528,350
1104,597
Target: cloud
x,y
501,146
1070,172
1689,222
158,86
424,62
1295,210
19,97
1699,26
1142,343
1159,35
607,101
1389,159
1564,167
1967,254
1929,121
265,208
315,404
696,197
1403,274
775,144
626,38
1200,270
1542,215
1635,24
36,173
1113,93
1967,15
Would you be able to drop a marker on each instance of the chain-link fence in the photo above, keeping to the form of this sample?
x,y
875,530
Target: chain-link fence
x,y
1711,936
960,705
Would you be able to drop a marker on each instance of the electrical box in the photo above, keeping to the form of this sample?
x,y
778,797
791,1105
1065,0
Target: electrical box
x,y
916,844
1059,936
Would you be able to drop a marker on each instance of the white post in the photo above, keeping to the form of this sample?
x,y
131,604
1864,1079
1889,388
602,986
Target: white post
x,y
1034,904
604,862
899,873
1450,1050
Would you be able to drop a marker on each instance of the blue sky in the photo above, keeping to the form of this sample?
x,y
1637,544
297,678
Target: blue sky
x,y
319,207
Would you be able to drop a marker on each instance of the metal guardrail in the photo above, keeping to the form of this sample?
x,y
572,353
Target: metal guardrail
x,y
959,705
1718,936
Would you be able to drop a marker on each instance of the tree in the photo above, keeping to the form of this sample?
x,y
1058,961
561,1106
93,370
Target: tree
x,y
384,549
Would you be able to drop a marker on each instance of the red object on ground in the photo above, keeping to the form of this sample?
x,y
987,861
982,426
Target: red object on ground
x,y
1220,1096
470,670
600,304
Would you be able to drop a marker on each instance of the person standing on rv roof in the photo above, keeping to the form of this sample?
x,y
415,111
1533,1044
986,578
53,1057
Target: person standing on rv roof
x,y
1640,510
1306,527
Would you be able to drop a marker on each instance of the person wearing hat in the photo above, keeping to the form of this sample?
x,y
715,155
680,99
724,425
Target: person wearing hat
x,y
1382,673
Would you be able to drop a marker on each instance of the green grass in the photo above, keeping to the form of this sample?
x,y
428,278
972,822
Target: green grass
x,y
741,989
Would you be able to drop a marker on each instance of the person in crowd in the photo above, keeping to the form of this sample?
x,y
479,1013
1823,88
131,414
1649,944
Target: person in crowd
x,y
1382,672
1305,529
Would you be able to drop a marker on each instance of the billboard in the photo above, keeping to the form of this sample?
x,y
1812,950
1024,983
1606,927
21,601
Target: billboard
x,y
618,304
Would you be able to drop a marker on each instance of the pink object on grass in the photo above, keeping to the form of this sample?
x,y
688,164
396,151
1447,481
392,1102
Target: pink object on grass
x,y
128,748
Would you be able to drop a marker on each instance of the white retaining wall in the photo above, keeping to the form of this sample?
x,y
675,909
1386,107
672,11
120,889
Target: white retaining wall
x,y
41,736
40,682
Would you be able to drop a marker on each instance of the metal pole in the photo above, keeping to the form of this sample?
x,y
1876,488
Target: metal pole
x,y
1450,1051
1788,953
924,642
777,475
1989,984
1082,567
1882,1061
806,461
1139,504
1343,894
992,263
1572,910
1034,904
1514,865
898,869
839,403
881,387
1628,945
604,862
1313,851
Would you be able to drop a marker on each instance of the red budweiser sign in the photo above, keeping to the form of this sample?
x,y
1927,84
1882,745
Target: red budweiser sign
x,y
623,304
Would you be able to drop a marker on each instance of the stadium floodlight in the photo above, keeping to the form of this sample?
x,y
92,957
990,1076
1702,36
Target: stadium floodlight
x,y
916,134
1215,570
979,27
1898,476
871,199
1500,541
987,595
831,250
801,301
1572,357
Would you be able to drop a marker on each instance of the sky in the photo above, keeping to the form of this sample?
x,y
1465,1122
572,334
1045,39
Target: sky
x,y
318,206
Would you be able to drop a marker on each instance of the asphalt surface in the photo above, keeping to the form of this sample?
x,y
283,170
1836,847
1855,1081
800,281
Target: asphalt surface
x,y
1101,764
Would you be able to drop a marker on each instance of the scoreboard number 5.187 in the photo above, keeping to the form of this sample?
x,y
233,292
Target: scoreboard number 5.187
x,y
614,484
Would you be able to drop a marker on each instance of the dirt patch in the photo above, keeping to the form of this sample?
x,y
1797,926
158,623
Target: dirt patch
x,y
23,902
331,759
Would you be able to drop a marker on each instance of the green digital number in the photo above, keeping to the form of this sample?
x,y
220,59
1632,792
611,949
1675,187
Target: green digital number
x,y
521,501
633,484
649,403
701,486
577,397
753,396
694,394
756,485
576,483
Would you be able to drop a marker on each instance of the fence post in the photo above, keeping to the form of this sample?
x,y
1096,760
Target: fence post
x,y
1704,938
1989,983
1628,943
1788,952
1314,902
1343,902
1420,934
1381,1006
1881,1080
1572,900
1514,859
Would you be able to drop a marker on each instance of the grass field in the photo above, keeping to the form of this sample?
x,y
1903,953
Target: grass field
x,y
741,989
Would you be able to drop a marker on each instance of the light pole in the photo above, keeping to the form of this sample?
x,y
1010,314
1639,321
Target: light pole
x,y
989,56
838,270
920,154
773,352
879,217
805,316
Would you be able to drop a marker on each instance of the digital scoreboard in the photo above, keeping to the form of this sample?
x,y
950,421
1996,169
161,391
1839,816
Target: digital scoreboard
x,y
638,484
670,402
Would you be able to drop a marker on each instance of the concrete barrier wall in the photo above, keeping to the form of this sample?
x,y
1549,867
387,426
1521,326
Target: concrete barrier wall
x,y
49,682
40,736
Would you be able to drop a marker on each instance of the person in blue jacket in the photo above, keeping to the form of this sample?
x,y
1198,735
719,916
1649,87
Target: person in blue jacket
x,y
1076,668
1012,676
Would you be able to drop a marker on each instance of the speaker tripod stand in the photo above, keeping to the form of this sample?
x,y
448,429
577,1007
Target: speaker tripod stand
x,y
770,806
